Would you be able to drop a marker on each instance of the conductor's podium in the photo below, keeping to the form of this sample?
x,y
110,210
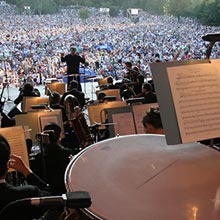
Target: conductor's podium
x,y
140,177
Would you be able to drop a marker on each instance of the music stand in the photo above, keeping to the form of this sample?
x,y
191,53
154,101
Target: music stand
x,y
212,38
92,79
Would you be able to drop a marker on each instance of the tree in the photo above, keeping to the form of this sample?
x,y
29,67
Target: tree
x,y
84,14
209,12
177,7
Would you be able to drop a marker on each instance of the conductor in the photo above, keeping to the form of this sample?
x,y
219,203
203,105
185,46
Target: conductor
x,y
73,61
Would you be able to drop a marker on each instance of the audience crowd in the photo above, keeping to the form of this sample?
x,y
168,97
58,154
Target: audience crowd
x,y
30,45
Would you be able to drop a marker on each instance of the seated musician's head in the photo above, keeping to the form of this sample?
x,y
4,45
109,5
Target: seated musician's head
x,y
146,88
74,85
100,97
4,156
140,78
136,70
110,80
128,65
54,131
28,88
54,98
70,104
152,121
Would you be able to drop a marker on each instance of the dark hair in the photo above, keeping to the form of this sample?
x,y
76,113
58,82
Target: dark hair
x,y
110,79
101,96
5,152
128,64
74,84
57,131
55,98
147,86
153,117
140,78
28,87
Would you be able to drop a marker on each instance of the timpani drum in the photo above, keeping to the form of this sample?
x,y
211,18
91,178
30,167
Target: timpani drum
x,y
140,177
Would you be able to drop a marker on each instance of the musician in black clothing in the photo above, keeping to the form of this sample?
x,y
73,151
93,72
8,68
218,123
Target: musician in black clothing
x,y
73,90
27,91
131,73
149,96
10,193
54,99
73,61
56,158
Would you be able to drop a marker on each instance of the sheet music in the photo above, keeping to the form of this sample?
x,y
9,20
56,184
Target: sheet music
x,y
196,95
16,139
34,120
95,111
112,92
124,123
29,101
57,86
44,120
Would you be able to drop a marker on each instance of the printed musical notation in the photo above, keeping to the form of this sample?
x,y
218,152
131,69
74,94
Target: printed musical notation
x,y
16,141
196,96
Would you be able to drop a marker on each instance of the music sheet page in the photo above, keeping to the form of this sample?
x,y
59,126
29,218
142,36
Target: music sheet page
x,y
124,123
196,95
16,139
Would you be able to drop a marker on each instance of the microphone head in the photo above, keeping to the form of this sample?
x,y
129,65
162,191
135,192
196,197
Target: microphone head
x,y
78,199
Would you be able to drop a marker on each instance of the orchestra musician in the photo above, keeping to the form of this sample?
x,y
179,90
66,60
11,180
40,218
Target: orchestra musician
x,y
110,84
77,132
147,93
26,91
152,121
133,87
10,193
56,158
54,100
131,73
73,61
73,90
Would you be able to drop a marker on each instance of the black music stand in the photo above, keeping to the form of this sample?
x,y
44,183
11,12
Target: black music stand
x,y
212,38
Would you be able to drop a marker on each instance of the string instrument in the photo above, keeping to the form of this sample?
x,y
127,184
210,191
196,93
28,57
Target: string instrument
x,y
77,121
82,130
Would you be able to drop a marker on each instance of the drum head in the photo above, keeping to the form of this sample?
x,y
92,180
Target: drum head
x,y
140,177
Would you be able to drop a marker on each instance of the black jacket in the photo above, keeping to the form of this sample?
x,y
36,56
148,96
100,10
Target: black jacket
x,y
73,62
9,193
78,94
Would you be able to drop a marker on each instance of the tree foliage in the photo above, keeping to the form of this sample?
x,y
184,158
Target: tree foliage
x,y
177,8
84,14
207,11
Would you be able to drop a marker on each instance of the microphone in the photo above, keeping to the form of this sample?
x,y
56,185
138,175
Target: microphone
x,y
78,199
